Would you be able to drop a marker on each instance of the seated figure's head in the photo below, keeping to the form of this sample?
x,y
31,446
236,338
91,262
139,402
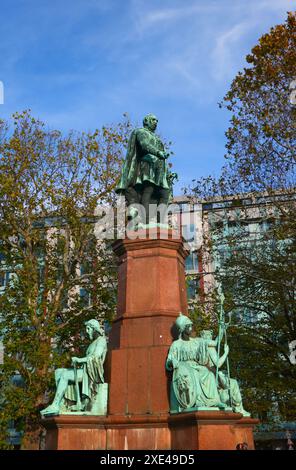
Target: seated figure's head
x,y
93,328
150,121
183,324
206,334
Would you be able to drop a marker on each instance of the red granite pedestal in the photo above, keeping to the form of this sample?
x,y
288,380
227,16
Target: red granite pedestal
x,y
151,293
211,430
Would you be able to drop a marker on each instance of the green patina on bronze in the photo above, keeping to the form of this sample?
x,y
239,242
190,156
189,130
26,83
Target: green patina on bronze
x,y
146,178
145,159
81,389
193,362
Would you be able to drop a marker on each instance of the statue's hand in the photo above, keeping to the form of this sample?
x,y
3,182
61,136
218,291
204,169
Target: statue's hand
x,y
75,360
174,176
163,155
149,158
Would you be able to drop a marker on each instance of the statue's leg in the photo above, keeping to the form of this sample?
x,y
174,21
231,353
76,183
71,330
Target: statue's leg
x,y
131,196
163,200
66,377
163,196
236,398
132,200
148,189
57,375
63,378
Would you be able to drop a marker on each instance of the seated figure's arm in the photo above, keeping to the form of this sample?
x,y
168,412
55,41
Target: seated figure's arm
x,y
172,361
220,335
214,356
78,360
147,145
99,351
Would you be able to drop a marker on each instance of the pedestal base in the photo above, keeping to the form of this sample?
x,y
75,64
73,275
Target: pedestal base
x,y
67,432
203,430
210,430
72,432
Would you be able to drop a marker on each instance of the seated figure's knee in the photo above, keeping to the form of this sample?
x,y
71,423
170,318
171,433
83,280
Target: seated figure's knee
x,y
60,373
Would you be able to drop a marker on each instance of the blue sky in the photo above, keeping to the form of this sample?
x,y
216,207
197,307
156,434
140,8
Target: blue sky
x,y
78,64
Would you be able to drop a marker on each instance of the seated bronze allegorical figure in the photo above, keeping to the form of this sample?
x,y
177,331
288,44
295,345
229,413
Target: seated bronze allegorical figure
x,y
193,383
81,389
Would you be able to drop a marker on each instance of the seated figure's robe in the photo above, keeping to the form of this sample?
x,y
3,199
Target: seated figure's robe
x,y
193,383
92,370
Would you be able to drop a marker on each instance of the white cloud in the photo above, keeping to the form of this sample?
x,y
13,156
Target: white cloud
x,y
223,56
146,19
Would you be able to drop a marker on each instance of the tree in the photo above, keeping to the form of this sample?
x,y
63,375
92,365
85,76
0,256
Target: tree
x,y
261,139
50,187
257,271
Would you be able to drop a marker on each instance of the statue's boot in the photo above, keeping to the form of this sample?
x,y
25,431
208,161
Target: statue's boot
x,y
52,409
240,409
221,405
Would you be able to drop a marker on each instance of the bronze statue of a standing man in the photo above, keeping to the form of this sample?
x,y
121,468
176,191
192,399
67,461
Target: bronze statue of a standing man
x,y
145,178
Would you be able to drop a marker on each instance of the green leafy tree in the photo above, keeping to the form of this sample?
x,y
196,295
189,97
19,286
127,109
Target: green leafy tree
x,y
258,271
51,186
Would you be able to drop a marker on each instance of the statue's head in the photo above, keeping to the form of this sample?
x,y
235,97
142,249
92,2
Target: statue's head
x,y
206,334
182,323
93,328
150,121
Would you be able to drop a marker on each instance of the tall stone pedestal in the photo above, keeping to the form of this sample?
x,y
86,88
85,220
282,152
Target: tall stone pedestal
x,y
151,294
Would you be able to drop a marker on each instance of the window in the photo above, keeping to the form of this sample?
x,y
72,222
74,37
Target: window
x,y
191,262
188,232
192,288
4,278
